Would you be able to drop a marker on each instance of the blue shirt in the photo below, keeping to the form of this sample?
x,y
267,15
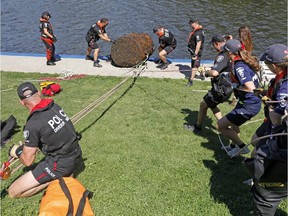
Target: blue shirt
x,y
244,74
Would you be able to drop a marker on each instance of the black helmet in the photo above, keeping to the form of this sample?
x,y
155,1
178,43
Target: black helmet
x,y
45,14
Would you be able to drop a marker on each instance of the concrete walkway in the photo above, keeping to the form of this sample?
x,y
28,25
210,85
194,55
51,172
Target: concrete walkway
x,y
75,64
17,62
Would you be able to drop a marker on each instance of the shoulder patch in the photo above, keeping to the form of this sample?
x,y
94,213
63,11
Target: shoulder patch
x,y
220,58
240,71
26,134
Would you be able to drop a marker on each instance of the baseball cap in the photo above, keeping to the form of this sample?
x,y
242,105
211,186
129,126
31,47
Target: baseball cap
x,y
232,45
192,20
218,38
275,53
46,13
156,28
27,86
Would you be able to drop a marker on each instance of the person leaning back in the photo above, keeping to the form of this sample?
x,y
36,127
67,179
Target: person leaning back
x,y
49,129
97,31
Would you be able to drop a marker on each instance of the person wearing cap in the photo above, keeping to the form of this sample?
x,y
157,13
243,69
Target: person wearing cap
x,y
245,80
269,183
221,88
48,37
49,129
276,59
167,43
195,47
96,31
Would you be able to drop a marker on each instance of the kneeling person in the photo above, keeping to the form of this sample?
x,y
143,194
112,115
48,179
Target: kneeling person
x,y
49,129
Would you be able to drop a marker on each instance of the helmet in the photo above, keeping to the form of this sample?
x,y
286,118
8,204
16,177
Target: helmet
x,y
45,14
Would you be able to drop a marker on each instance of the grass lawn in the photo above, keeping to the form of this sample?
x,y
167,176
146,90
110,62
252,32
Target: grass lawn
x,y
139,160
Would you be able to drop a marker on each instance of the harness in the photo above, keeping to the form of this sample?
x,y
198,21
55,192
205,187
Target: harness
x,y
275,84
49,27
221,87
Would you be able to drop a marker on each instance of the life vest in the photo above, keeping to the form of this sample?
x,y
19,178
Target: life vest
x,y
48,26
50,88
275,84
192,32
233,77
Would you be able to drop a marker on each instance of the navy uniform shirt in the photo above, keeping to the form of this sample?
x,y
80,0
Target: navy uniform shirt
x,y
243,74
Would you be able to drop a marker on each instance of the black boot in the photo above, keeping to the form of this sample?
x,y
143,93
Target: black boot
x,y
50,63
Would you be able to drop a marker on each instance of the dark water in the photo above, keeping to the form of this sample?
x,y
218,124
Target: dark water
x,y
71,20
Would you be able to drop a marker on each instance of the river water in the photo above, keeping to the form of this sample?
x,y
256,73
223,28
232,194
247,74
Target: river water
x,y
72,19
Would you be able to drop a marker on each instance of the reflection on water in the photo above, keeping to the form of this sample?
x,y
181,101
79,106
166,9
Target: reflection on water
x,y
71,20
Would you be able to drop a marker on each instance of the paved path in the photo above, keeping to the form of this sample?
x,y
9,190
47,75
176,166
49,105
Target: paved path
x,y
17,62
25,62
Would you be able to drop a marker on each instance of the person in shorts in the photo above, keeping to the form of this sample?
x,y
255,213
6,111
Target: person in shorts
x,y
245,80
49,129
196,41
97,31
167,43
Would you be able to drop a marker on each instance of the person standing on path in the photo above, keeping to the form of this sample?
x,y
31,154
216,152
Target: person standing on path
x,y
97,31
195,47
48,37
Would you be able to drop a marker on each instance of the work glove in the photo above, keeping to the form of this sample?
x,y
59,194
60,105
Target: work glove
x,y
54,39
112,41
265,98
260,92
16,150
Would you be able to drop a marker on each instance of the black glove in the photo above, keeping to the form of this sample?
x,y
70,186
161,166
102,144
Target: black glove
x,y
16,150
112,41
54,39
260,92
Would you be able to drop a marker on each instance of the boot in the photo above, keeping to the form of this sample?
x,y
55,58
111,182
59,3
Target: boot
x,y
50,63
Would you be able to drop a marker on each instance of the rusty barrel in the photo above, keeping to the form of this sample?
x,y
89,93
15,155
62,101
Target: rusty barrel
x,y
131,49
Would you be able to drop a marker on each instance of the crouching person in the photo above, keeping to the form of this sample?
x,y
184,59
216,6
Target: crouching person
x,y
49,129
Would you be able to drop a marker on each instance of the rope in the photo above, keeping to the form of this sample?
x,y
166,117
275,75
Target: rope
x,y
84,112
260,138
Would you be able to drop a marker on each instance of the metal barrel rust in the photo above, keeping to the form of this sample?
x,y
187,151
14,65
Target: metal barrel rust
x,y
129,50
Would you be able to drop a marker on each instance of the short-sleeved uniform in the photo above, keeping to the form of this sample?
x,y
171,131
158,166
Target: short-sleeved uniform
x,y
50,129
196,36
277,91
92,36
248,104
215,96
167,41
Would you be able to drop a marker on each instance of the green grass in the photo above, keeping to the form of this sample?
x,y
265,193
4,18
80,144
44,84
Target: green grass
x,y
139,160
